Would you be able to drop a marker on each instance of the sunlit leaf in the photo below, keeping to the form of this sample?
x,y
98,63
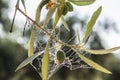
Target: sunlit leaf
x,y
28,60
57,15
91,23
45,62
102,51
93,64
56,19
49,15
39,8
31,44
82,2
64,23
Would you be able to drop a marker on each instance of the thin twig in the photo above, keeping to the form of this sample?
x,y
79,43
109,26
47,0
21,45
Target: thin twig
x,y
35,23
14,16
24,27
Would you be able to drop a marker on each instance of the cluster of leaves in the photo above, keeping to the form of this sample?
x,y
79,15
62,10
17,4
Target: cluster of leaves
x,y
61,8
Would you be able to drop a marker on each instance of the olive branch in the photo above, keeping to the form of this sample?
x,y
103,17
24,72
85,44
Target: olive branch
x,y
60,8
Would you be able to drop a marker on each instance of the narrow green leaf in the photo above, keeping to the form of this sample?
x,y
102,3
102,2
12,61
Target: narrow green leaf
x,y
49,15
31,44
91,23
58,15
38,10
93,64
45,62
82,2
102,51
64,23
28,60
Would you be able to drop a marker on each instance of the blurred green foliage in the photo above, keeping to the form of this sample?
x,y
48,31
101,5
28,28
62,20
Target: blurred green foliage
x,y
11,54
4,20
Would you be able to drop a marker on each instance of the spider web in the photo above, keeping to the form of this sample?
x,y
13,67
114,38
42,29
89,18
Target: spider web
x,y
72,60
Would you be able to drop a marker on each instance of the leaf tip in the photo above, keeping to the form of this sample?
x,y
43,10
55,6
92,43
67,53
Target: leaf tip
x,y
100,8
109,72
16,69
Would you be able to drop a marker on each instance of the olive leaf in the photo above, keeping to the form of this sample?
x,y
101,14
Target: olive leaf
x,y
31,44
49,14
64,23
92,63
82,2
60,56
65,10
38,10
69,5
91,23
45,62
57,16
28,60
78,35
102,51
